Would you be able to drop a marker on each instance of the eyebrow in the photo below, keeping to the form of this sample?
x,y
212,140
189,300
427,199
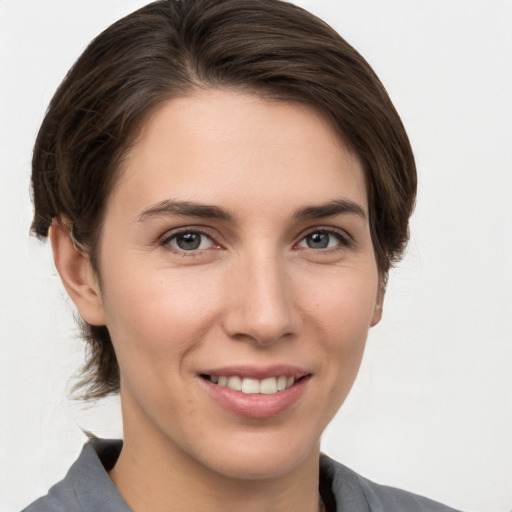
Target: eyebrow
x,y
184,209
337,207
191,209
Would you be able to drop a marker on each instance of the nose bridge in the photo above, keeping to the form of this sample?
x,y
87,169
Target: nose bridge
x,y
262,307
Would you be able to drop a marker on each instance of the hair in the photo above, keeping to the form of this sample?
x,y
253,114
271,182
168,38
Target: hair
x,y
171,48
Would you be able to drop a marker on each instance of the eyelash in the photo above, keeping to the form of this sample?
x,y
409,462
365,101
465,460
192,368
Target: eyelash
x,y
165,242
344,240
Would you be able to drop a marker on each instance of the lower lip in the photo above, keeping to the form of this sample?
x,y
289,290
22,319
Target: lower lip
x,y
257,405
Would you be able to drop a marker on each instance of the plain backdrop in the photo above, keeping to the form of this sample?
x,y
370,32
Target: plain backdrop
x,y
431,410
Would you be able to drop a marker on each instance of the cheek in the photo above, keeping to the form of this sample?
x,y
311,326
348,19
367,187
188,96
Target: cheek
x,y
343,304
157,313
343,309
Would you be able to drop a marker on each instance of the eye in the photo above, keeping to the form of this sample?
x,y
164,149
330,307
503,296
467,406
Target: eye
x,y
323,239
189,241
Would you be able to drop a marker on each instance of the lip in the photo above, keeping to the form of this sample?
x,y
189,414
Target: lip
x,y
257,406
255,372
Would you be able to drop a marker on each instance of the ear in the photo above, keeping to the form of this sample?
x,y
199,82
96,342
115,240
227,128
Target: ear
x,y
377,312
78,277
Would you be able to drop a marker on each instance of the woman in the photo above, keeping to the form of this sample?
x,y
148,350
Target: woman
x,y
225,184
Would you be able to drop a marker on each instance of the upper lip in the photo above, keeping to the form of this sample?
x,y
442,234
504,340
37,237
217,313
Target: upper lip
x,y
258,372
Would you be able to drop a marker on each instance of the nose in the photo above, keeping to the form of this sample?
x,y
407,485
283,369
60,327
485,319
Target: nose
x,y
261,305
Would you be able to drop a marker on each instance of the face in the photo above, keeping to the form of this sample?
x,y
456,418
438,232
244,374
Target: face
x,y
238,281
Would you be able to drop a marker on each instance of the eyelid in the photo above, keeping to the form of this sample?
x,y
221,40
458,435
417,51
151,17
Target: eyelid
x,y
165,239
346,239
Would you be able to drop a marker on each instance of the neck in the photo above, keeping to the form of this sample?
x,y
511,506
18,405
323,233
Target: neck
x,y
155,475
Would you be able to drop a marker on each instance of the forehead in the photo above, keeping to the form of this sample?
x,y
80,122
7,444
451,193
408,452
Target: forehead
x,y
218,145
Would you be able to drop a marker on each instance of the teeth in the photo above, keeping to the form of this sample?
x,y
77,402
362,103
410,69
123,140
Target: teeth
x,y
235,383
268,386
249,386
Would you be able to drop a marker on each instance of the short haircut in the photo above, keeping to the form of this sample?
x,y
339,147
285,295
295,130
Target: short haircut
x,y
171,48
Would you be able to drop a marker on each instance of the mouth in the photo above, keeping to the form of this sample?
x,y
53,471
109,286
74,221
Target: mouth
x,y
252,386
256,392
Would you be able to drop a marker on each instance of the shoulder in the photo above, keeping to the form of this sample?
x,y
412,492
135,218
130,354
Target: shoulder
x,y
377,498
382,497
60,498
47,504
87,485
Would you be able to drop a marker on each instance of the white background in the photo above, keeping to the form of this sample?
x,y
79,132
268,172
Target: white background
x,y
432,408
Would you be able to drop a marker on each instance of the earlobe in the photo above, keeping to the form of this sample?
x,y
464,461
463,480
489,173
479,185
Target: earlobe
x,y
78,277
377,311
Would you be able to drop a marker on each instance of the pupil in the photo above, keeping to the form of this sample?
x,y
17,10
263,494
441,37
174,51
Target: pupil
x,y
318,240
188,241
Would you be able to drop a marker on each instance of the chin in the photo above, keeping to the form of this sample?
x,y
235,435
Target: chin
x,y
261,457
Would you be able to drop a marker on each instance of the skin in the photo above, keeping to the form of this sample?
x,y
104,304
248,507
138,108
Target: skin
x,y
254,293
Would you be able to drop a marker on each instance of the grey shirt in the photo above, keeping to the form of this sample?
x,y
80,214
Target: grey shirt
x,y
88,488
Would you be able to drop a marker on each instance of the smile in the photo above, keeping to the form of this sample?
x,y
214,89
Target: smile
x,y
256,392
250,386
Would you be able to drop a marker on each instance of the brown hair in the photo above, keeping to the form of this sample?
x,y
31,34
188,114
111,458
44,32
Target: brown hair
x,y
168,49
